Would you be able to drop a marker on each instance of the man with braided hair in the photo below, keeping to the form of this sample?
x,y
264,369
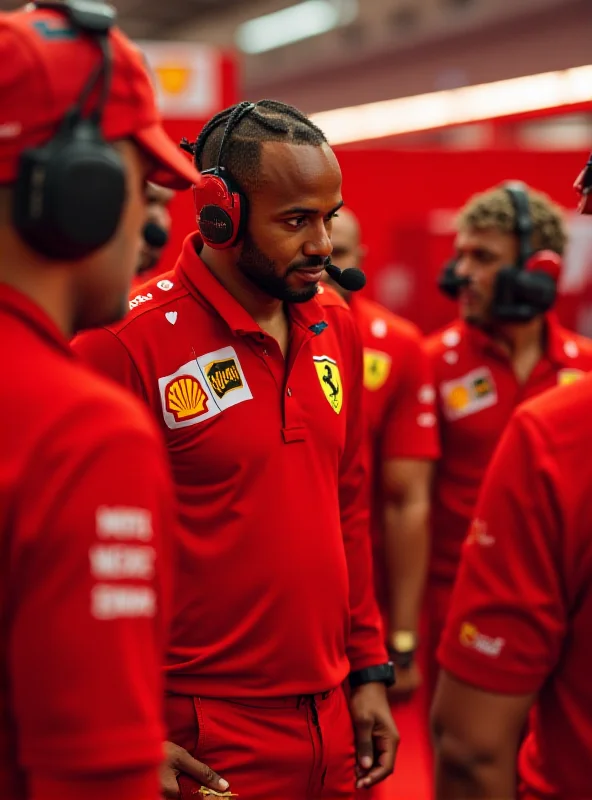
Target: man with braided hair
x,y
504,349
257,383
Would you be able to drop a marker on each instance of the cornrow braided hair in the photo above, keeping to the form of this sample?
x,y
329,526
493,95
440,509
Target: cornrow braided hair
x,y
248,126
494,209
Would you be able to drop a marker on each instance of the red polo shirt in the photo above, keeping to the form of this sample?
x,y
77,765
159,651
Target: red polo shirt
x,y
400,405
85,498
521,611
477,392
274,588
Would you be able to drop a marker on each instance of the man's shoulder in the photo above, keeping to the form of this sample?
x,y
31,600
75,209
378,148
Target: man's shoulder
x,y
329,298
577,348
560,414
76,410
150,301
383,324
446,338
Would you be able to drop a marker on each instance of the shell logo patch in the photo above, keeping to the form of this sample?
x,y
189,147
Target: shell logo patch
x,y
202,388
185,398
330,380
468,394
377,368
567,376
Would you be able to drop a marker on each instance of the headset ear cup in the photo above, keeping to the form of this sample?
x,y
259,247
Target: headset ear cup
x,y
219,208
70,194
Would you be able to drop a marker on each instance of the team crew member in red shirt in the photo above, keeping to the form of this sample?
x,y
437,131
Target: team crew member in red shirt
x,y
401,429
85,495
507,346
518,634
258,387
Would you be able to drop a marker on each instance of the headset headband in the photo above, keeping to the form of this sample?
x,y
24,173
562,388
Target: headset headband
x,y
96,20
239,112
517,193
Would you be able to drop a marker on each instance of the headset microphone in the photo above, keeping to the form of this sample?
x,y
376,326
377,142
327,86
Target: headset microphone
x,y
351,279
154,235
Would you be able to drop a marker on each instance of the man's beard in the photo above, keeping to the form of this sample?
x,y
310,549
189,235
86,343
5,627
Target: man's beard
x,y
261,271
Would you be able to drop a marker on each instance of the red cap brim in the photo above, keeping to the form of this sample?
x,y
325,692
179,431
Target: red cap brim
x,y
173,168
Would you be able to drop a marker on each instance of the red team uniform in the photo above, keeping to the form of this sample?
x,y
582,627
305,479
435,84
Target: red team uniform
x,y
399,402
85,504
274,602
530,548
477,393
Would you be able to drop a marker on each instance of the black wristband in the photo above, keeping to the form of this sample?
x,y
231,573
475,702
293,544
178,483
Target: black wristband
x,y
381,673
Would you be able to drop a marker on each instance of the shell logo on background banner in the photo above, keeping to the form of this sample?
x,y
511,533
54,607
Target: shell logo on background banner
x,y
187,77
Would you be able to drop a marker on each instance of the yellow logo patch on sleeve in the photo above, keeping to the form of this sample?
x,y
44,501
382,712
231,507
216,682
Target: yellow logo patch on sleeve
x,y
377,368
330,380
567,376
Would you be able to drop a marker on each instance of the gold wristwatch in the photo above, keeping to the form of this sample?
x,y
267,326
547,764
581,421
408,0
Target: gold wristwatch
x,y
402,647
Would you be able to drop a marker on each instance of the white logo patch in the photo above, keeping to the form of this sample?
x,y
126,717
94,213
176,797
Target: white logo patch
x,y
379,328
171,316
468,394
451,338
427,394
139,299
203,388
165,286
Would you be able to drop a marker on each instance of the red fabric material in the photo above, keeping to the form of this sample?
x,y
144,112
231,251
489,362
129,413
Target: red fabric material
x,y
138,786
521,612
45,71
268,750
271,480
80,682
399,406
473,417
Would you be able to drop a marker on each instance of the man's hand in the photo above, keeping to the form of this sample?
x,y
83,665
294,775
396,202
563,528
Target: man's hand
x,y
377,737
408,681
178,760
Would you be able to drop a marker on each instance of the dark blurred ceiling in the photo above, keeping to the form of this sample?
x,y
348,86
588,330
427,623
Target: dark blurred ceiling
x,y
152,19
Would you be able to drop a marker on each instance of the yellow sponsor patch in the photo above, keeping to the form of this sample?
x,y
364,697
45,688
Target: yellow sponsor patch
x,y
567,376
330,380
468,393
223,376
377,368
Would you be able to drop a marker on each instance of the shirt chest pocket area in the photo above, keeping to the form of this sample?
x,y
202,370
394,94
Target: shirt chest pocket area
x,y
316,400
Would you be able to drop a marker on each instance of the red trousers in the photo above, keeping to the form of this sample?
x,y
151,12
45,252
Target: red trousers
x,y
294,748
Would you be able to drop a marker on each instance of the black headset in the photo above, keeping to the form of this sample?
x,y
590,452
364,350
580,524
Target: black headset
x,y
522,290
70,192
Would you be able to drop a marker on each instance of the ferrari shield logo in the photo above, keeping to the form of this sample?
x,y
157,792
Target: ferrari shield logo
x,y
377,367
330,380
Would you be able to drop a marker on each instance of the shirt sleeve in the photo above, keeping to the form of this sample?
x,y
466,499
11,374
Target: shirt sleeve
x,y
106,353
91,589
366,643
507,618
410,426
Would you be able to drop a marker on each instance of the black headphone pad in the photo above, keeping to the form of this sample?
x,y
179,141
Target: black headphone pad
x,y
70,194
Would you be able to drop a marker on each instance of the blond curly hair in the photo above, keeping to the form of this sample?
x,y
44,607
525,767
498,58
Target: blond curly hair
x,y
494,209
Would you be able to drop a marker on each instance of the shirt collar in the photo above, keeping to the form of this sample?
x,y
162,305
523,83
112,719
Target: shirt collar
x,y
19,305
556,338
198,280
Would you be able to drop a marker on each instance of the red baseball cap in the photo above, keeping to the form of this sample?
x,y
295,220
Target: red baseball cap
x,y
45,66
